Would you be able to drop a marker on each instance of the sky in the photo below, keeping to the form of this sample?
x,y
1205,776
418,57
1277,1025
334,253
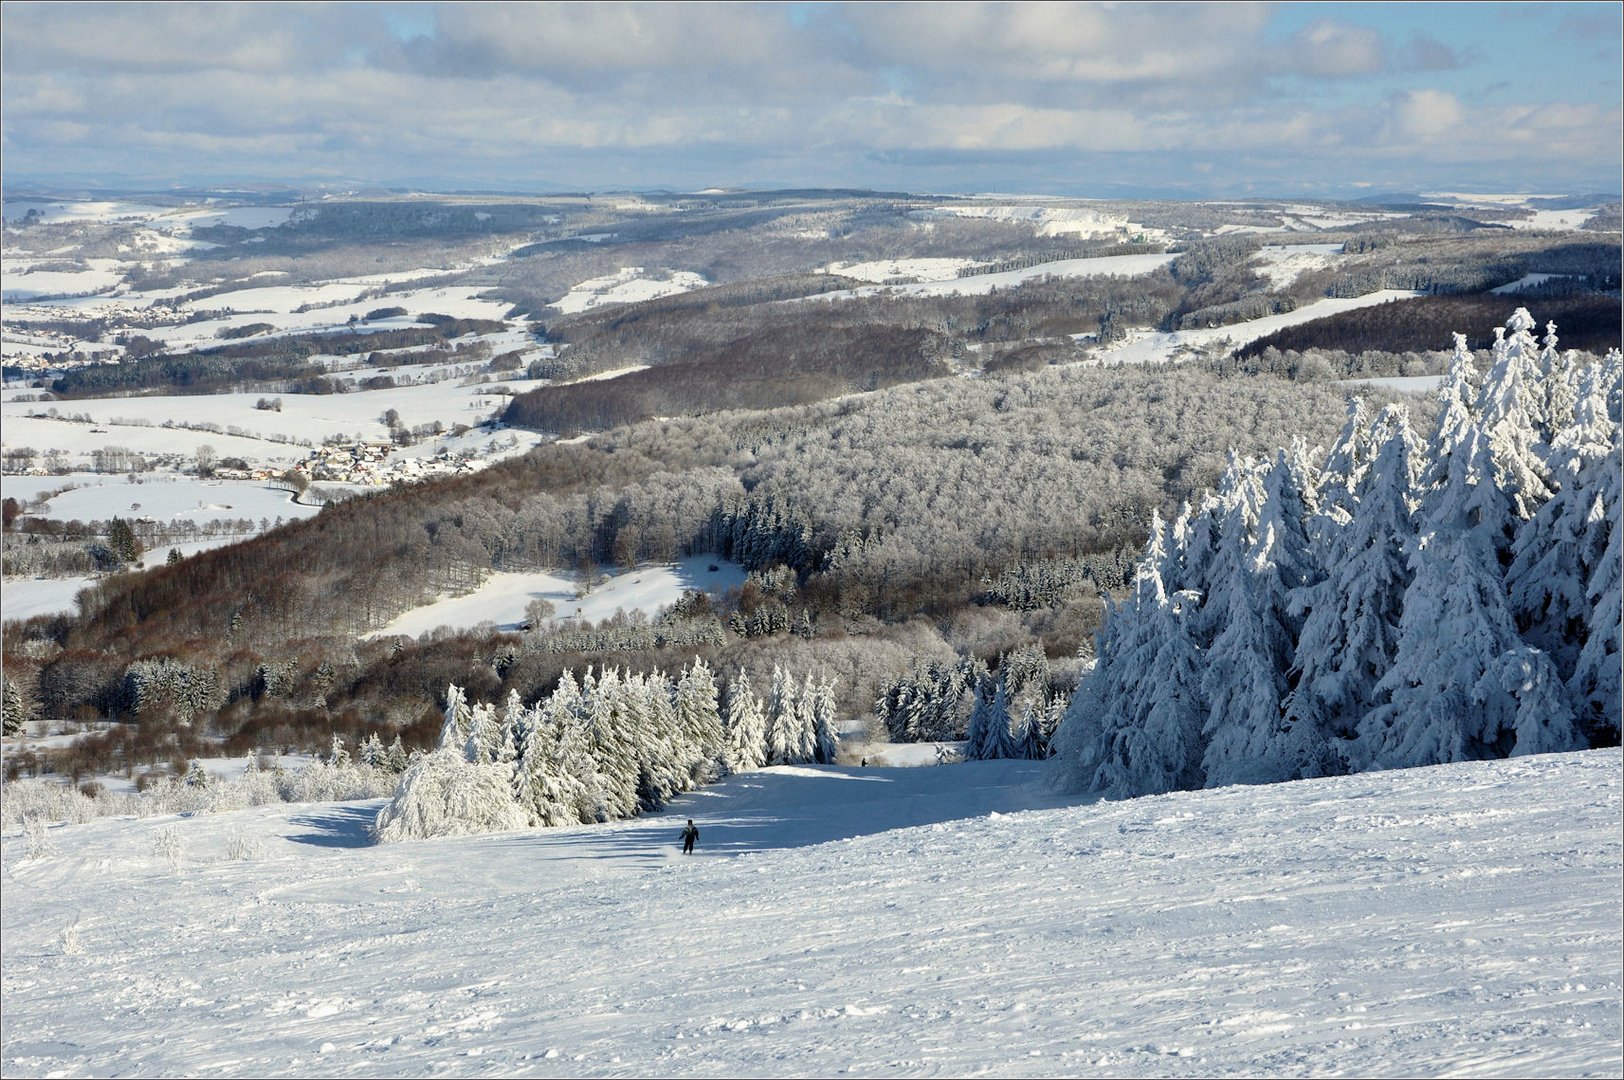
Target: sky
x,y
1109,100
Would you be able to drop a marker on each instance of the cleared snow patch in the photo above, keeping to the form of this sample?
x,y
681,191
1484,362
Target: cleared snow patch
x,y
890,269
628,285
1282,265
1050,221
1147,347
981,284
503,597
1527,281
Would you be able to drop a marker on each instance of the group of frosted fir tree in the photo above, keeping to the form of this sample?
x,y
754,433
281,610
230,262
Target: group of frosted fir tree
x,y
1409,602
1011,713
606,747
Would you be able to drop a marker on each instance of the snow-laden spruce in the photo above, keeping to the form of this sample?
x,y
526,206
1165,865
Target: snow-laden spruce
x,y
607,747
1413,603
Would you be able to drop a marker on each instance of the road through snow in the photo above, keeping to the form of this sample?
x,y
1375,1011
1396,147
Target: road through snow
x,y
939,921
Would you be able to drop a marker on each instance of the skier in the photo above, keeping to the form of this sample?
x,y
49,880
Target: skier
x,y
689,835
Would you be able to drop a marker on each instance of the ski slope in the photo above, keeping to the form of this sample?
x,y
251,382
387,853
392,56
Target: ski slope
x,y
939,921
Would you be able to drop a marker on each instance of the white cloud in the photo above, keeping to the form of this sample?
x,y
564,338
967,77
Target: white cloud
x,y
506,88
1326,49
1425,114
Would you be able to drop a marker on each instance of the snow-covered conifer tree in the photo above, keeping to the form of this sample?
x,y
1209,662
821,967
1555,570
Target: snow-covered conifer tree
x,y
978,732
1559,385
509,732
607,739
651,724
699,719
1350,635
746,726
806,721
1344,467
1594,685
371,751
999,740
1245,681
1445,695
1557,550
458,717
1102,740
823,723
1508,410
579,790
529,759
783,739
484,735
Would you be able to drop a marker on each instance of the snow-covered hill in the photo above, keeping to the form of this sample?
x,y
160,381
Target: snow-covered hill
x,y
928,921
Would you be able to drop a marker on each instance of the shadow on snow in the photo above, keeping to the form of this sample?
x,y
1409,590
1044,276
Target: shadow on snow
x,y
797,806
339,826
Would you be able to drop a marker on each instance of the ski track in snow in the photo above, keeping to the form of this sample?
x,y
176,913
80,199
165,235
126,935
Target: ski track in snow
x,y
943,921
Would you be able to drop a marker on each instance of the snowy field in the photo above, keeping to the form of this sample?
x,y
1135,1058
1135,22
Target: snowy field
x,y
1049,220
1149,346
981,284
264,437
1527,281
1458,920
461,303
502,598
1282,264
19,282
23,598
626,286
1553,220
883,270
168,498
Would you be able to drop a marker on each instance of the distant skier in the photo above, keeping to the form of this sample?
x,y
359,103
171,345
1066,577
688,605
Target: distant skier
x,y
689,835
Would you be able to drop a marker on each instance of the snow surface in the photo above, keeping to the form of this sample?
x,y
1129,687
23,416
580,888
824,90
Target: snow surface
x,y
1527,281
882,270
163,497
1147,347
981,284
625,286
22,284
503,596
912,922
23,598
1282,264
459,302
1407,384
1554,220
1049,220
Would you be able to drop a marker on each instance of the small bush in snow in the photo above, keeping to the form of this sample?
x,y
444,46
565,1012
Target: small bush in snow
x,y
38,838
240,847
71,945
167,845
21,800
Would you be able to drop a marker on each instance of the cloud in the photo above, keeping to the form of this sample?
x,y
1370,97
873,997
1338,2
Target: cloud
x,y
1423,52
1051,52
627,93
601,46
183,38
1331,50
1424,114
